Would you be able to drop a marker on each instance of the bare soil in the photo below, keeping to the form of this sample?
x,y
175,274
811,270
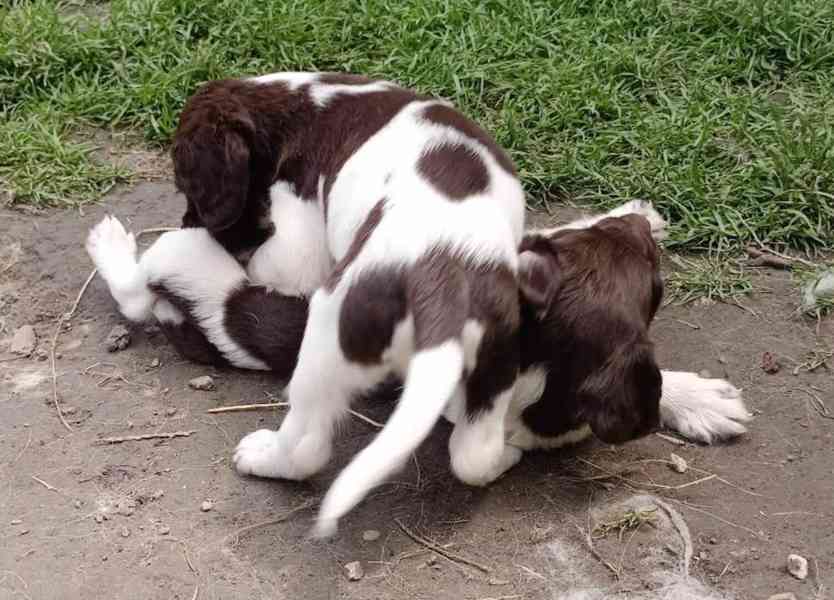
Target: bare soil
x,y
124,521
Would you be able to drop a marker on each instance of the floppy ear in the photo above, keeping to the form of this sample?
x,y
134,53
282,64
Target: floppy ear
x,y
211,165
538,273
621,401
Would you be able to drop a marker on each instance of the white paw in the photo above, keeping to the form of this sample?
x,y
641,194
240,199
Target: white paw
x,y
267,453
645,209
701,409
260,453
483,469
111,248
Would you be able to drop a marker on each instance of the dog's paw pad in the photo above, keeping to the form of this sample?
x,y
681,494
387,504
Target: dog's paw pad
x,y
258,453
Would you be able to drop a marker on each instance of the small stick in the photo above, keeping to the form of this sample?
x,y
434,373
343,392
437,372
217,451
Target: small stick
x,y
687,323
767,250
263,405
818,404
146,436
244,407
717,518
440,550
671,439
309,503
196,591
768,259
51,488
659,486
587,537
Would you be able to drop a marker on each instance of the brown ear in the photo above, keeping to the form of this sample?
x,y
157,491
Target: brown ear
x,y
211,165
622,399
538,272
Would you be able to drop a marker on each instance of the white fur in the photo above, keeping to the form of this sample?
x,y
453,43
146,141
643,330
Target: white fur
x,y
479,455
295,260
322,93
113,251
639,207
293,80
430,382
701,409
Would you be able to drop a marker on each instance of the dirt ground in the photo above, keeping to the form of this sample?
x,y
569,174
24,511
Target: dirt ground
x,y
79,519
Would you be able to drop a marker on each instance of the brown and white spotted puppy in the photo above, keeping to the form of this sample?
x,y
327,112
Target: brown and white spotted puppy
x,y
400,219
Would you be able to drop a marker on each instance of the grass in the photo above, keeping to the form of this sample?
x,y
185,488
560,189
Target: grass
x,y
720,111
710,279
630,520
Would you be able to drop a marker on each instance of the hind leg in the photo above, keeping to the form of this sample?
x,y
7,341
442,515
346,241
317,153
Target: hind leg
x,y
320,390
113,251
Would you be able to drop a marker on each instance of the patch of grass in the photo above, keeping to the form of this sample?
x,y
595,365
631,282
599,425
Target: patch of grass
x,y
720,111
630,520
712,279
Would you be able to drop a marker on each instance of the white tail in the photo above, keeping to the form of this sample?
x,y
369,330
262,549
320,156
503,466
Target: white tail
x,y
433,375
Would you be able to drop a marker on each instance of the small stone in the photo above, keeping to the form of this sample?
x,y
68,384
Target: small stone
x,y
770,364
705,374
782,596
164,530
41,354
23,532
496,581
24,341
797,566
157,494
170,411
117,339
678,464
370,535
126,507
354,571
713,541
155,363
16,522
77,504
207,505
125,532
791,457
204,383
68,410
104,558
99,518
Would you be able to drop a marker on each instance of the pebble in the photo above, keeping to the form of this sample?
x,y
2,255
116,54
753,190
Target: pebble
x,y
77,504
354,571
770,364
125,532
370,535
117,339
171,411
41,354
678,464
705,374
155,363
797,566
713,541
164,530
126,508
99,518
24,341
782,596
68,410
157,494
207,505
16,522
204,383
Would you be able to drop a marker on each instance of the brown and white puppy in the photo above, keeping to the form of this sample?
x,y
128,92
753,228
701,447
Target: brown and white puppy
x,y
400,219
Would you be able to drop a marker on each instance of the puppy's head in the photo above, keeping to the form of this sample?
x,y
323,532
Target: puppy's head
x,y
211,155
590,295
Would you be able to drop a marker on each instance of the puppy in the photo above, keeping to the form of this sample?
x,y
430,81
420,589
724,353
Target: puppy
x,y
400,220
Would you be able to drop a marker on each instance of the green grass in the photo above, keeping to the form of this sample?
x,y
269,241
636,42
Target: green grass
x,y
711,279
720,111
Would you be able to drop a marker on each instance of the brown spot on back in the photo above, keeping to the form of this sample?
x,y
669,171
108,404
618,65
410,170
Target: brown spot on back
x,y
362,234
441,114
454,169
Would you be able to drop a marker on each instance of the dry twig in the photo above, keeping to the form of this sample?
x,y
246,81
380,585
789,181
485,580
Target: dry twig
x,y
51,488
309,503
263,405
435,547
146,436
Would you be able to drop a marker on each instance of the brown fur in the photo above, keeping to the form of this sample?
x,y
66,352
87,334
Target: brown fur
x,y
455,170
588,326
